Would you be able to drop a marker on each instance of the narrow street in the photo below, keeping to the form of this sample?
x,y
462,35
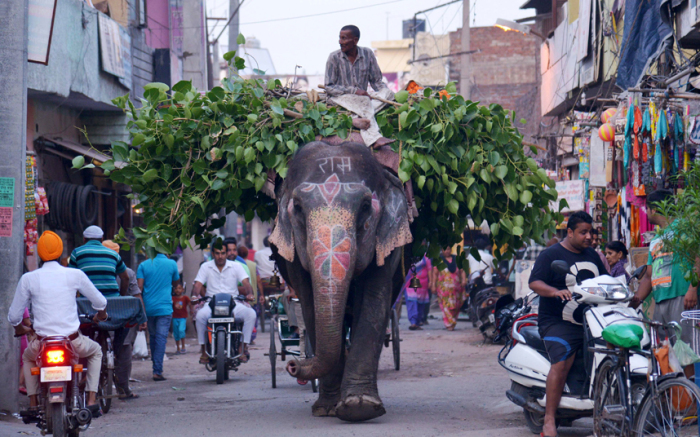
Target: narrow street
x,y
450,384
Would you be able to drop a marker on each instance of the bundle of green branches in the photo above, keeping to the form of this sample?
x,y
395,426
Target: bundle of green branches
x,y
193,154
683,211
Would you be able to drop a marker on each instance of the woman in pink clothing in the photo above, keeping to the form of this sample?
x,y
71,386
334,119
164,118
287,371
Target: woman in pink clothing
x,y
449,284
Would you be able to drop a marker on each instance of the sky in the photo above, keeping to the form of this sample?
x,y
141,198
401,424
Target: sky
x,y
308,41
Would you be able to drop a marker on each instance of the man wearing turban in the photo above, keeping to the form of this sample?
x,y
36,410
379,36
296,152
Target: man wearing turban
x,y
51,292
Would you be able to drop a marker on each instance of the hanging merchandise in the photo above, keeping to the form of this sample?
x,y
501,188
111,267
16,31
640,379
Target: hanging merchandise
x,y
31,235
41,201
661,135
29,204
608,114
607,132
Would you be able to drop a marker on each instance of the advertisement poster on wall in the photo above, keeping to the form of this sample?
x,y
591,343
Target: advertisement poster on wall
x,y
572,191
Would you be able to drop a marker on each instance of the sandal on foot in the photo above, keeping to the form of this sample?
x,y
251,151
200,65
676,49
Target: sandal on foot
x,y
129,397
204,359
95,410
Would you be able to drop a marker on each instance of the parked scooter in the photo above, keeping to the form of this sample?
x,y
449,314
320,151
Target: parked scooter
x,y
527,362
62,410
224,336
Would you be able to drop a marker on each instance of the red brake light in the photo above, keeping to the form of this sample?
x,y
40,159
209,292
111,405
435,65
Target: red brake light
x,y
56,356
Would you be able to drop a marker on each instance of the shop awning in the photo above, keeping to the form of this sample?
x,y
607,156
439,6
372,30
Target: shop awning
x,y
79,149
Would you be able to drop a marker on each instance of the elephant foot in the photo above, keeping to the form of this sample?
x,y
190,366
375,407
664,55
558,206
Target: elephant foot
x,y
357,408
324,408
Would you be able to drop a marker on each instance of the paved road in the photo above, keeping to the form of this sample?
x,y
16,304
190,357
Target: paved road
x,y
449,385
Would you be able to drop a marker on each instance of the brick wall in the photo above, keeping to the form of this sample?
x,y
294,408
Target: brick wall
x,y
505,71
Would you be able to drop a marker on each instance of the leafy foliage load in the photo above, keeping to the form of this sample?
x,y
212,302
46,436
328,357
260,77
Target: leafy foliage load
x,y
683,210
193,154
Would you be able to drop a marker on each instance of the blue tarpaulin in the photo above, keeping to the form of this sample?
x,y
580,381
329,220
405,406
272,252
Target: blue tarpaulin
x,y
646,35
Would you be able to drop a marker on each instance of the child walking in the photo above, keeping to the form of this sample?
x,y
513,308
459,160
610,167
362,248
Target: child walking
x,y
180,305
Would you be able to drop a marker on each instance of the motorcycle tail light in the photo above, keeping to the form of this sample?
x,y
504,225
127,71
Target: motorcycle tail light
x,y
55,356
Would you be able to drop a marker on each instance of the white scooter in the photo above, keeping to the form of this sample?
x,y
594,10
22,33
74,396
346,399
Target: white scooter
x,y
527,361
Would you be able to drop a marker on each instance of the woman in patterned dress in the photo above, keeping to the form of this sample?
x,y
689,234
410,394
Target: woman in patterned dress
x,y
449,284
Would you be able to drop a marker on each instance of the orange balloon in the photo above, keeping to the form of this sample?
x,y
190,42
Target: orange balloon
x,y
607,132
608,114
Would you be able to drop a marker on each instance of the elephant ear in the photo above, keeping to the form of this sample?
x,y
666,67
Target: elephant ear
x,y
282,235
393,230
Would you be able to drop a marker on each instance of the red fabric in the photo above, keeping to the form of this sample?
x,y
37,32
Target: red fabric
x,y
180,304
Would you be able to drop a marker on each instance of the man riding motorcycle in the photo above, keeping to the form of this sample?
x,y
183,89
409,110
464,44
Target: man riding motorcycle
x,y
560,317
222,276
51,291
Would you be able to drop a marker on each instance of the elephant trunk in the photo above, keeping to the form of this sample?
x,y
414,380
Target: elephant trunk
x,y
329,307
333,251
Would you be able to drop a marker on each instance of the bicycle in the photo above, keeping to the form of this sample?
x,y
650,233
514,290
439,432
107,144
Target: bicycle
x,y
106,384
668,406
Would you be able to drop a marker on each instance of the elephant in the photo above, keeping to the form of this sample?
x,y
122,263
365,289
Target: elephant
x,y
341,226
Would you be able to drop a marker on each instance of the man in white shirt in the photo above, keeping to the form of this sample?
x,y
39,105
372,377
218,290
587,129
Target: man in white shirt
x,y
483,268
266,266
51,292
222,276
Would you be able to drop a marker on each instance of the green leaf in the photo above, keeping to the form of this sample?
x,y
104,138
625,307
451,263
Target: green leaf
x,y
494,157
526,197
420,182
78,161
405,177
218,184
517,230
240,40
401,96
531,164
453,206
229,55
501,171
150,175
156,85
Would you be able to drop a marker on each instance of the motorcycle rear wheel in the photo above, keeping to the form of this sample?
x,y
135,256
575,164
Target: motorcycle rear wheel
x,y
220,357
56,412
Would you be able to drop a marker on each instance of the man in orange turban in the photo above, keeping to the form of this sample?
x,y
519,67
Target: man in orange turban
x,y
50,246
51,292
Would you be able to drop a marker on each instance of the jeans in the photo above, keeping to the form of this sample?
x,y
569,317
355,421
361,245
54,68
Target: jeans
x,y
158,328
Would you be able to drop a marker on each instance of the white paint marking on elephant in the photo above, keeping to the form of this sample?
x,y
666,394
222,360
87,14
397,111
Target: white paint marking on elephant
x,y
330,188
345,164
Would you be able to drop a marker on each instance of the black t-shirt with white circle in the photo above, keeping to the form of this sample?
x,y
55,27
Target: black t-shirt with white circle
x,y
553,310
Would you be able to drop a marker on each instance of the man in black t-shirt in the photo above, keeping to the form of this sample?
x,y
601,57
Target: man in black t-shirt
x,y
560,317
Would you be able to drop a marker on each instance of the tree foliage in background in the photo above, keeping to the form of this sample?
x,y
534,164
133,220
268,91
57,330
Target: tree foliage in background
x,y
192,154
684,211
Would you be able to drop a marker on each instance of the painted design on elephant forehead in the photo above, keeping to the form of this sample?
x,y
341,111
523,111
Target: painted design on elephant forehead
x,y
331,249
330,188
393,208
341,163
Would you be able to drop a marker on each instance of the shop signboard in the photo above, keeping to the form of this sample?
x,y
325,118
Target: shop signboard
x,y
572,191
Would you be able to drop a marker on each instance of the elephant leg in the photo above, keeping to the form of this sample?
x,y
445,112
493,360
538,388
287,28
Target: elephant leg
x,y
359,394
329,386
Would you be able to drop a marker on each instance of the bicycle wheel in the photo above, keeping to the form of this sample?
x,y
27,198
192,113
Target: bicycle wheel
x,y
673,411
273,353
609,400
396,340
104,390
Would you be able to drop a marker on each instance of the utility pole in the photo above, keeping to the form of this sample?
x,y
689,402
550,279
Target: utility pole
x,y
13,147
465,71
234,27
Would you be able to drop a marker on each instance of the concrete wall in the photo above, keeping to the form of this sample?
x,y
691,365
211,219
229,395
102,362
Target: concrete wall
x,y
432,72
505,71
74,60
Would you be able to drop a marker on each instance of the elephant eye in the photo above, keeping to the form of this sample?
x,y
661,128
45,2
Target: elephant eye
x,y
298,209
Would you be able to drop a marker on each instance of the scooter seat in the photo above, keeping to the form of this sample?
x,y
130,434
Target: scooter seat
x,y
624,335
533,339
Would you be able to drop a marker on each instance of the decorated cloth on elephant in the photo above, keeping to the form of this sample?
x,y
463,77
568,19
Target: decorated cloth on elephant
x,y
449,284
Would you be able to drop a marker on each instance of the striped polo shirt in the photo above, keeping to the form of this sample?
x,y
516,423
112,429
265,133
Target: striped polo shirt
x,y
100,264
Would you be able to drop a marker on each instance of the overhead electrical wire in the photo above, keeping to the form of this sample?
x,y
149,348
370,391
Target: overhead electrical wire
x,y
322,13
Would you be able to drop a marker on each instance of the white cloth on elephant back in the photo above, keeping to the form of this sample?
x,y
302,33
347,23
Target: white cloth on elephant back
x,y
364,107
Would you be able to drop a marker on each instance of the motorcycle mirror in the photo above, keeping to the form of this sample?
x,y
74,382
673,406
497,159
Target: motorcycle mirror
x,y
561,267
639,272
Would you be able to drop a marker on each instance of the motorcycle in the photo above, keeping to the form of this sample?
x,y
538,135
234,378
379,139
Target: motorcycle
x,y
484,303
224,339
508,310
526,360
62,410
